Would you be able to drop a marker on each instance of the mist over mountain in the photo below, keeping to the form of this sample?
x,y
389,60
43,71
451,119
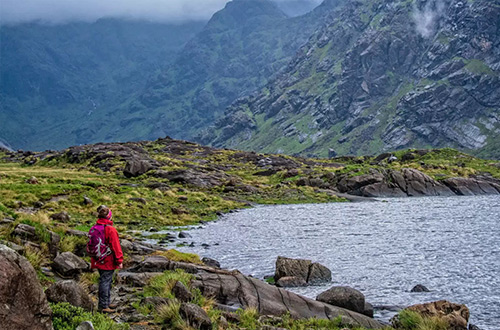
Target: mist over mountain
x,y
119,79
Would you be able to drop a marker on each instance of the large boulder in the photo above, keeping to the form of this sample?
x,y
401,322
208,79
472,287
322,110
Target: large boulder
x,y
234,290
301,272
291,282
456,315
69,265
287,267
23,304
136,167
70,292
318,274
345,297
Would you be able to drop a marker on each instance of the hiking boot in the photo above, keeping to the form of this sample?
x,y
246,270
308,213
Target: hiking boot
x,y
107,310
113,306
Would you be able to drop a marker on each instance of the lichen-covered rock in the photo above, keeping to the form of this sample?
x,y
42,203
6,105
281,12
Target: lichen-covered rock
x,y
456,315
287,267
23,304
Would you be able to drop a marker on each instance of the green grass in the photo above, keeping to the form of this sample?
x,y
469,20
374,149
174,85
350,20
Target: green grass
x,y
68,317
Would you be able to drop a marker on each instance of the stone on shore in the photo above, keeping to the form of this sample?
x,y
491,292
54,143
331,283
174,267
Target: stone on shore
x,y
23,304
456,315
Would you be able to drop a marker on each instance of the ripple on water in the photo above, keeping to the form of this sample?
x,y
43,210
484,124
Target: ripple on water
x,y
451,245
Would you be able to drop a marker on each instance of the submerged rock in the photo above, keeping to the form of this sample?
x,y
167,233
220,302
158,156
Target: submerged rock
x,y
419,288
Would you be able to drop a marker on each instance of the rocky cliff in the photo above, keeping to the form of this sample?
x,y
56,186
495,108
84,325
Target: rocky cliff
x,y
381,75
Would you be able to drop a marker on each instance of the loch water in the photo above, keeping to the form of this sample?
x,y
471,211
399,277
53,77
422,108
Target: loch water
x,y
384,248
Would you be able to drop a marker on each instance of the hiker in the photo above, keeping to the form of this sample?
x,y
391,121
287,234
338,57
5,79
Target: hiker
x,y
106,255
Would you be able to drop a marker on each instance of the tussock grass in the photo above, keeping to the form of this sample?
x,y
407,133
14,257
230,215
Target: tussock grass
x,y
161,286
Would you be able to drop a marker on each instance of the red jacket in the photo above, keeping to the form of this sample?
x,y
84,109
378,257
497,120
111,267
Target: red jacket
x,y
112,261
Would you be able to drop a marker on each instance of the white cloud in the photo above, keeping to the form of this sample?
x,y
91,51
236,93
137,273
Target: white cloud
x,y
61,11
426,19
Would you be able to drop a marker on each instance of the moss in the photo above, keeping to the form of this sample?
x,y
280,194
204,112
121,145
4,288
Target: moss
x,y
175,255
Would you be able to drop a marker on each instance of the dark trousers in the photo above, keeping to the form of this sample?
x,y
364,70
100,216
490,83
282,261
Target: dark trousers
x,y
105,280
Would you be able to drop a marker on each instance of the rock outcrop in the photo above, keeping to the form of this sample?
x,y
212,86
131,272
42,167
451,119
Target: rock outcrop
x,y
233,290
369,81
23,304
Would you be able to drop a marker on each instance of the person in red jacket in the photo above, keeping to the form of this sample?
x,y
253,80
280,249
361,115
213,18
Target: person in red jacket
x,y
109,264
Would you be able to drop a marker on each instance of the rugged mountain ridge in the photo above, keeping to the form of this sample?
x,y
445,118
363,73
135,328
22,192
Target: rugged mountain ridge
x,y
238,51
380,76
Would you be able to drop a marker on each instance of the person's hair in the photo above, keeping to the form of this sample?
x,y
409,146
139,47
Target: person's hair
x,y
102,211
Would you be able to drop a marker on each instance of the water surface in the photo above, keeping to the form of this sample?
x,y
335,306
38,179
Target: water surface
x,y
451,245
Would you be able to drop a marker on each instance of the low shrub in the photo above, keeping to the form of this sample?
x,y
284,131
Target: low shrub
x,y
68,317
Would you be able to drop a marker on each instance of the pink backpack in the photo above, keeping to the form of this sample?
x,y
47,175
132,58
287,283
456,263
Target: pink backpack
x,y
96,246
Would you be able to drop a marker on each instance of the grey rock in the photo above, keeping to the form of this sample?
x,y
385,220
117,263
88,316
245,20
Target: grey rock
x,y
318,274
290,282
181,292
70,292
210,262
61,216
68,264
136,279
419,288
136,167
235,289
195,316
344,297
23,304
287,267
87,325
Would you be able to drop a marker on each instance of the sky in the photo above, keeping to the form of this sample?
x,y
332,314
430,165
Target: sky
x,y
62,11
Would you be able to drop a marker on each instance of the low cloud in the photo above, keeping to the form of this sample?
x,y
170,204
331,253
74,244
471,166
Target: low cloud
x,y
427,18
62,11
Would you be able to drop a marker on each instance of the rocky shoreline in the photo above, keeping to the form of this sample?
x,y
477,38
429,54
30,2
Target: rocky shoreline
x,y
230,291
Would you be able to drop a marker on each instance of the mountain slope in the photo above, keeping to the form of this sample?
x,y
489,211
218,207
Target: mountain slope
x,y
241,47
56,79
369,82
